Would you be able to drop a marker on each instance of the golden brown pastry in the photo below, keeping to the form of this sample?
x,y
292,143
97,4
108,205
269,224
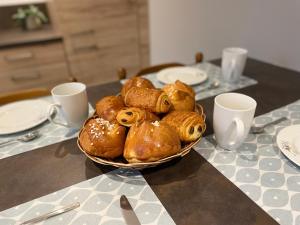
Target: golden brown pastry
x,y
189,125
136,82
181,100
150,141
185,88
129,116
102,138
152,100
108,107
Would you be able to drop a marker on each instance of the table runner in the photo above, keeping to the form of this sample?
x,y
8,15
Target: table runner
x,y
214,74
99,199
50,134
260,170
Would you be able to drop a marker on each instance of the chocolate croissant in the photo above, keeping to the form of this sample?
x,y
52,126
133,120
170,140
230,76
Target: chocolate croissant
x,y
102,138
189,125
129,116
181,100
147,142
108,107
152,100
136,82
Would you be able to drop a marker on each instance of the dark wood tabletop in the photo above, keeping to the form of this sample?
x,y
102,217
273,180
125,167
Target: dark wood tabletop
x,y
191,189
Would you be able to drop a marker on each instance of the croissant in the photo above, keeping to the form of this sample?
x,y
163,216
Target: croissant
x,y
147,142
108,107
189,125
181,100
152,100
102,138
185,88
136,82
128,117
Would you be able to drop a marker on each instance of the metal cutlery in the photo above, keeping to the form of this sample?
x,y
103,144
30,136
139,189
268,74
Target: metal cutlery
x,y
52,213
127,211
260,129
25,138
213,85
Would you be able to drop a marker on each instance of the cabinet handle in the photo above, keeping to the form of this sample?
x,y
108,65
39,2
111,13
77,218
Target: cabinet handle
x,y
91,47
24,77
19,57
86,32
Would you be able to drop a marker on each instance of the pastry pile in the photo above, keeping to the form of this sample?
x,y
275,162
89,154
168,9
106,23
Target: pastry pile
x,y
143,124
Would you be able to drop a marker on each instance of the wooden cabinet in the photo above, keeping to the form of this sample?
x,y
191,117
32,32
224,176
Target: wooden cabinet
x,y
39,65
102,35
86,39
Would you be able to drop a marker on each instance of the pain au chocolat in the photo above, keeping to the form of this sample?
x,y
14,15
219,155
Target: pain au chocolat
x,y
109,106
129,116
153,100
150,141
189,125
102,138
136,82
181,96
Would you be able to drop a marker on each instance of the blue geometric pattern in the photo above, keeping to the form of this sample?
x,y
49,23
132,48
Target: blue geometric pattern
x,y
259,168
99,202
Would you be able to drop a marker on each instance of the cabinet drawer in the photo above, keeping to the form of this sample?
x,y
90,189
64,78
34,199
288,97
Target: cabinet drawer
x,y
46,76
31,56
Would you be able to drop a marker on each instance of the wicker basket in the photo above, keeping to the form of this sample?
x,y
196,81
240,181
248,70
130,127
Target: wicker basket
x,y
122,163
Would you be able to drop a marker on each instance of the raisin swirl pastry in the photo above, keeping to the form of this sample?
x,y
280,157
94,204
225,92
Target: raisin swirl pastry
x,y
129,116
136,82
153,100
189,125
148,142
102,138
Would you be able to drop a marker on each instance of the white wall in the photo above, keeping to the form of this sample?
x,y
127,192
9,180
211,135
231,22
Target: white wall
x,y
269,29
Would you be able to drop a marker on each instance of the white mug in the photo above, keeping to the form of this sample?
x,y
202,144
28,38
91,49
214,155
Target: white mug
x,y
233,63
70,100
232,119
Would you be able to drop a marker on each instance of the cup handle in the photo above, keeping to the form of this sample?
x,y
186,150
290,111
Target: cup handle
x,y
50,111
240,129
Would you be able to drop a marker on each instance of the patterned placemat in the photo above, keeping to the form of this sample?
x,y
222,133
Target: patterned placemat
x,y
99,202
214,74
49,134
259,168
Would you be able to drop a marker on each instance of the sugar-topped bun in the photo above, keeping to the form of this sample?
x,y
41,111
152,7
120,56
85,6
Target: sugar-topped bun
x,y
102,138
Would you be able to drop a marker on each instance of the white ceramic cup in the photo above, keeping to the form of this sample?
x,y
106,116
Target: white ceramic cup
x,y
233,63
232,119
70,100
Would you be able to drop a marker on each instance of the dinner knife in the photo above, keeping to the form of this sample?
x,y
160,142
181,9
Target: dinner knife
x,y
127,211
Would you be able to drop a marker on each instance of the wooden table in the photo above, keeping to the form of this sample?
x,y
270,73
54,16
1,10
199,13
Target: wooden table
x,y
192,190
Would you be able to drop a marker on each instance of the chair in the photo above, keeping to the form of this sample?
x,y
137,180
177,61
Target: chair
x,y
24,94
122,73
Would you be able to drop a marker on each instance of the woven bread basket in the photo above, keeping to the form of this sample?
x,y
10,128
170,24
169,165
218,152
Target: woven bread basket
x,y
122,163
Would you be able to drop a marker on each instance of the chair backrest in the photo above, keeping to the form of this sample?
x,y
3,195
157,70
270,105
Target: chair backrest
x,y
22,95
122,73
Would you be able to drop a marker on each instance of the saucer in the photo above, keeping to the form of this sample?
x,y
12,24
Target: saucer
x,y
288,141
188,75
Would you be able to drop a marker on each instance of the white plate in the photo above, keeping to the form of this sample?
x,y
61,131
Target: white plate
x,y
291,136
22,115
188,75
